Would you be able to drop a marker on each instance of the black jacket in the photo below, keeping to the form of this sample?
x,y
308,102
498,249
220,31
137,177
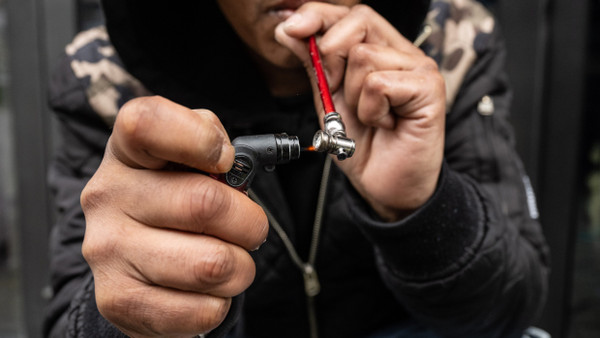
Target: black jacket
x,y
472,262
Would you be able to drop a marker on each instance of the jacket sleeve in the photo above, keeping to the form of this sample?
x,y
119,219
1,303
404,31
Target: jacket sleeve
x,y
472,262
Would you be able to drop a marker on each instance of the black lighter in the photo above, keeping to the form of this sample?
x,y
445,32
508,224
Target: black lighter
x,y
256,152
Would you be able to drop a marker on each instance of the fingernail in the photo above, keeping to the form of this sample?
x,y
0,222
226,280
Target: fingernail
x,y
258,247
226,158
292,21
278,32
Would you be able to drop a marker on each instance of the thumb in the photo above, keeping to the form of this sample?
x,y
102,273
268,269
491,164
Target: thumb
x,y
313,18
309,54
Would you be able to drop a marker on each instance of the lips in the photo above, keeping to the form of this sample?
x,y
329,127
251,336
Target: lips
x,y
287,4
285,8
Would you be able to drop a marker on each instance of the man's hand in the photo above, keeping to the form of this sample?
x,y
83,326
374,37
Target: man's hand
x,y
391,98
168,249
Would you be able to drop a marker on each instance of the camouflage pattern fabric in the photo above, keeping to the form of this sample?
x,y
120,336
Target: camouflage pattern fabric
x,y
108,85
459,31
455,32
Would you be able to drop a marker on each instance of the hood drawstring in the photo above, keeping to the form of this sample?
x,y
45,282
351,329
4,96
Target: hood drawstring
x,y
312,286
423,36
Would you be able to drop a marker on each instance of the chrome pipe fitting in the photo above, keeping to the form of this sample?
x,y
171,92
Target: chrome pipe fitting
x,y
333,139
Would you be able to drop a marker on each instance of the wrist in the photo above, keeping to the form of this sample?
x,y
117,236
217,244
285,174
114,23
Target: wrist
x,y
401,202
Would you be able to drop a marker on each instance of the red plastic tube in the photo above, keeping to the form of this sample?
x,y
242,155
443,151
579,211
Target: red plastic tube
x,y
321,78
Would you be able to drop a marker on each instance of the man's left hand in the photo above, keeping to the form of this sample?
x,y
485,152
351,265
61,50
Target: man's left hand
x,y
391,97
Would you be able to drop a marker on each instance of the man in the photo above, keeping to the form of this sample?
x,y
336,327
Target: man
x,y
426,230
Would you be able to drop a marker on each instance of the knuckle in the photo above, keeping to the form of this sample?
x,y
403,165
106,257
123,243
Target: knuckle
x,y
98,248
150,324
216,311
135,117
91,250
429,65
208,115
359,55
114,305
374,84
362,10
212,139
215,267
207,202
434,76
311,6
105,302
262,224
129,311
256,225
92,196
212,135
98,242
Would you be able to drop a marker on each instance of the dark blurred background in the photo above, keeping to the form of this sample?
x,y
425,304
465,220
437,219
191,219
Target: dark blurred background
x,y
554,66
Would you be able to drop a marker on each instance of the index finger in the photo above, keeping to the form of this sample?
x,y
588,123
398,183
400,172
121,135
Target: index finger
x,y
310,19
343,28
365,26
194,203
151,131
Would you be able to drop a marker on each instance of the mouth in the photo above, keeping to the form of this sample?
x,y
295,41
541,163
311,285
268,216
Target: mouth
x,y
283,9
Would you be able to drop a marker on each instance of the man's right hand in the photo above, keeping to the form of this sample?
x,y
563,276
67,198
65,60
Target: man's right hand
x,y
168,248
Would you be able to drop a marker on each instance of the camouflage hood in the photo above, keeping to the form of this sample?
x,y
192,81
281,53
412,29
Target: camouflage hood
x,y
151,56
172,48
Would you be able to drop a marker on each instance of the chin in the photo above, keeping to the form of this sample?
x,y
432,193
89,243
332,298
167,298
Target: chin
x,y
291,62
282,57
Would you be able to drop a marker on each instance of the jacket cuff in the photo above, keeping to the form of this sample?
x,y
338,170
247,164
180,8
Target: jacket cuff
x,y
436,240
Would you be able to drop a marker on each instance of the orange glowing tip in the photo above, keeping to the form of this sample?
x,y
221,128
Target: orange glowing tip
x,y
309,148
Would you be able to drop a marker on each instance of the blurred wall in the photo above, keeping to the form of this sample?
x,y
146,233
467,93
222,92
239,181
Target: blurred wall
x,y
37,33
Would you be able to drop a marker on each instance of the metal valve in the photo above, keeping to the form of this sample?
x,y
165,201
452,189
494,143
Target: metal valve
x,y
333,139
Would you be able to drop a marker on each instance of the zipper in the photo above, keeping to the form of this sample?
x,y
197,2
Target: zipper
x,y
312,286
423,36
